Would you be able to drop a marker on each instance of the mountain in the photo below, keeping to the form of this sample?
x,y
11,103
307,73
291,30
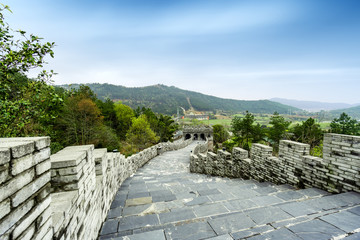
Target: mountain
x,y
166,100
353,112
313,106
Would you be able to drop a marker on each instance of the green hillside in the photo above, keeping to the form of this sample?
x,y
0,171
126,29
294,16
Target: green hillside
x,y
164,99
353,112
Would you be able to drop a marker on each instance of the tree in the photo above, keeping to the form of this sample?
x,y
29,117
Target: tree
x,y
108,111
220,133
124,116
140,133
308,132
345,125
277,130
20,55
243,129
27,107
81,120
165,128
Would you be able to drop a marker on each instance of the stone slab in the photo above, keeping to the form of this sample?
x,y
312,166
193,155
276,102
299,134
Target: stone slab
x,y
231,223
344,220
251,232
109,226
197,230
282,233
209,210
267,215
133,222
153,235
176,216
138,201
316,229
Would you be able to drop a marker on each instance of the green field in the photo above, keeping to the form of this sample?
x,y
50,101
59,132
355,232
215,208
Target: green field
x,y
262,120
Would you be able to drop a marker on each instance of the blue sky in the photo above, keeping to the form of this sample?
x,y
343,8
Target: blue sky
x,y
240,49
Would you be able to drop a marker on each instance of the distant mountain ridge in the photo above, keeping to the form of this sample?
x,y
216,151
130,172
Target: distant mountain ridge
x,y
313,106
164,99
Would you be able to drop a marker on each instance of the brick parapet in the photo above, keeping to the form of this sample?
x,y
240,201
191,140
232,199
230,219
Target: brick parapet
x,y
338,171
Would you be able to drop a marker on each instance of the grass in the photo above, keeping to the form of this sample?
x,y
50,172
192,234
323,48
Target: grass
x,y
264,120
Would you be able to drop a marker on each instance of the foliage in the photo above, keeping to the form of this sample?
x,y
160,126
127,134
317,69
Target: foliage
x,y
27,107
317,151
31,111
345,125
20,55
107,109
220,134
166,128
308,132
140,133
353,112
277,130
243,129
81,119
124,115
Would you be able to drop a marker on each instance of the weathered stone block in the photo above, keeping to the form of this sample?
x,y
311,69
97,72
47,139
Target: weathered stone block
x,y
21,164
31,217
18,149
4,155
45,231
4,173
66,159
10,187
30,189
4,208
39,142
15,216
42,155
27,234
43,167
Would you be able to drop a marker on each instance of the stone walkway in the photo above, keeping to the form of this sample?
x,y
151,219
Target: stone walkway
x,y
164,201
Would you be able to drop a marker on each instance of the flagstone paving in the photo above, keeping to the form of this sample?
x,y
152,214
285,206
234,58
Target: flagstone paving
x,y
164,201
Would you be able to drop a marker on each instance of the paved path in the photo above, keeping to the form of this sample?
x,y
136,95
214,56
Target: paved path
x,y
164,201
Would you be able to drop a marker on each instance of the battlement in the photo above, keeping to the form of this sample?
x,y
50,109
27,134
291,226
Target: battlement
x,y
338,171
63,196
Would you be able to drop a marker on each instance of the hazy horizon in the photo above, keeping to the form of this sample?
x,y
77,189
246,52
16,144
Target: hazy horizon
x,y
240,49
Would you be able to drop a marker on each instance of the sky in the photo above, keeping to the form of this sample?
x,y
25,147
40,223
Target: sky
x,y
238,49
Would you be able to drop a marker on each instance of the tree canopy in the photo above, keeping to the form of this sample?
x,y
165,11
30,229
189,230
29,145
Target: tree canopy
x,y
345,125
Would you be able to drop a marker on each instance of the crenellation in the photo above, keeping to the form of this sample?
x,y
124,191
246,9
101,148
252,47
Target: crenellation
x,y
338,171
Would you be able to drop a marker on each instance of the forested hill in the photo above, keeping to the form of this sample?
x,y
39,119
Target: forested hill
x,y
353,112
164,99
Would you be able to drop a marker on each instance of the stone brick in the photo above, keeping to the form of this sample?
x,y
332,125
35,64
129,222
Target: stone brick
x,y
39,142
4,155
4,173
66,159
21,164
30,189
43,167
42,155
28,234
10,187
31,217
15,216
18,149
4,208
45,231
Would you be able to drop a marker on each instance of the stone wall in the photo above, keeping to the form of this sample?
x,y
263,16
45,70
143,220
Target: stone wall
x,y
25,188
338,171
63,196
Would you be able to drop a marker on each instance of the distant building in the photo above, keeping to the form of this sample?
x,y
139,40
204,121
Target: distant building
x,y
197,116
